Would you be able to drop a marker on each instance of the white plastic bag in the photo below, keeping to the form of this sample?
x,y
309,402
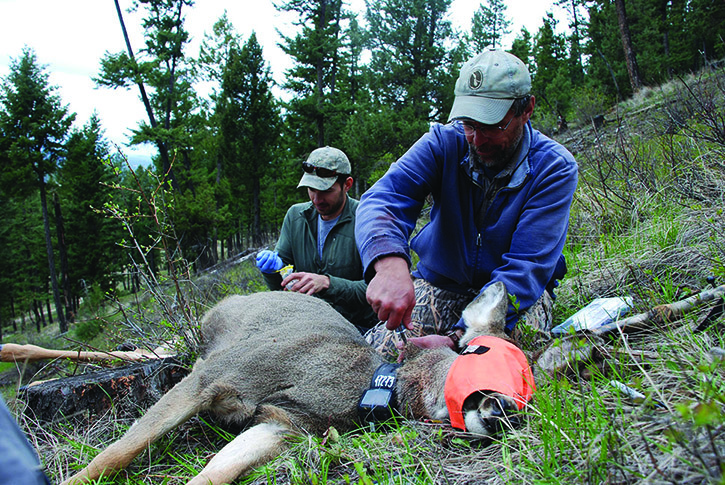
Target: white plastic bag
x,y
597,313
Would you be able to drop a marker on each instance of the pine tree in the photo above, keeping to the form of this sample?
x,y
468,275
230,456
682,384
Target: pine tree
x,y
606,70
551,82
34,125
521,47
249,125
706,29
94,258
412,72
321,63
212,61
164,68
489,26
577,26
410,61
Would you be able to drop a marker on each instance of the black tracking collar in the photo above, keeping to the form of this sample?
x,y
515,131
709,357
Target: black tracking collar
x,y
380,400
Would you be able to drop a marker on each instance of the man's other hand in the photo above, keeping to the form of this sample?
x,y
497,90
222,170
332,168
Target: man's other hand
x,y
425,342
307,283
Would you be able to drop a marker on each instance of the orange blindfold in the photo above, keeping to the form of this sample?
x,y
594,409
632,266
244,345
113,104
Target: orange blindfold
x,y
487,364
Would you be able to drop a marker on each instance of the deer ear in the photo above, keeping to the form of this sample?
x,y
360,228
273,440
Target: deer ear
x,y
486,314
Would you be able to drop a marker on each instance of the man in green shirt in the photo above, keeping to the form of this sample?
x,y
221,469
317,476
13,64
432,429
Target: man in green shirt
x,y
318,240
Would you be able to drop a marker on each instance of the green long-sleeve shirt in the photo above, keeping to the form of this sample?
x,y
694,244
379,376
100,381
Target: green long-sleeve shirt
x,y
297,245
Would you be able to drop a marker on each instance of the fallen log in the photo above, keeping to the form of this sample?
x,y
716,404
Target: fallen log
x,y
129,388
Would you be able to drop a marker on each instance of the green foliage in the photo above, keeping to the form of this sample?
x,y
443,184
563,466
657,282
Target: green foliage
x,y
321,79
89,236
668,37
551,82
522,47
144,209
33,126
489,26
88,330
410,65
248,117
587,104
22,244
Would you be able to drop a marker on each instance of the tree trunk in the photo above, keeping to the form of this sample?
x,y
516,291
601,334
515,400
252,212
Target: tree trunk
x,y
257,215
632,68
34,309
50,313
13,314
51,258
163,151
63,252
87,396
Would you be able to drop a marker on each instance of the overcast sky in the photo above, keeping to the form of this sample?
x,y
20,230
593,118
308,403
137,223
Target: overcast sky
x,y
71,36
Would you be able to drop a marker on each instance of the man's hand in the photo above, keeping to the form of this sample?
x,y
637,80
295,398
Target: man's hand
x,y
390,292
432,342
426,342
307,283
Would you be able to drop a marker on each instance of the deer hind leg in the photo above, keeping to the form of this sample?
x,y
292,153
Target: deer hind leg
x,y
255,447
178,405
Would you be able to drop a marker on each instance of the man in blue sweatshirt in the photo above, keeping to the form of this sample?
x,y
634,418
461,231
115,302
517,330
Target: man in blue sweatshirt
x,y
501,195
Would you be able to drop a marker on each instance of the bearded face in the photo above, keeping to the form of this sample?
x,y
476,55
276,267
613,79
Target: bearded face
x,y
492,148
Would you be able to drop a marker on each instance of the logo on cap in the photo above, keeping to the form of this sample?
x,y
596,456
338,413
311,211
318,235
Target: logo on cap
x,y
476,79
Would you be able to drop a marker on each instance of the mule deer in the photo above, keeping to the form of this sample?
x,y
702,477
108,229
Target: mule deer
x,y
290,364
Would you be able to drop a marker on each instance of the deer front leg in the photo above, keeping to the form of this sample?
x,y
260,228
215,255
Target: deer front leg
x,y
175,407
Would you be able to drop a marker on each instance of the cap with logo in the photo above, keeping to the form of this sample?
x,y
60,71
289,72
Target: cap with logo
x,y
487,86
328,158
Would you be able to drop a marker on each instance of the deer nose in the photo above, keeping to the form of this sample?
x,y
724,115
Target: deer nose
x,y
499,406
502,411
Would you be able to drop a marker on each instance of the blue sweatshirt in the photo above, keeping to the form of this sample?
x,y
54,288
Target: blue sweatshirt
x,y
520,240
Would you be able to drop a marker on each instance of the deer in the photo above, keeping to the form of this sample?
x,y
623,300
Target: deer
x,y
284,364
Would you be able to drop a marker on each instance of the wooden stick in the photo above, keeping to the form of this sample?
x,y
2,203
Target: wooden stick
x,y
33,353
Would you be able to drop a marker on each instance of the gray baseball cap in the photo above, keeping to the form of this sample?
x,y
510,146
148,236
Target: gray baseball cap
x,y
331,161
487,86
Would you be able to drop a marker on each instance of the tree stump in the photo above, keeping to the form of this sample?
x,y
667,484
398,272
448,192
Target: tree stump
x,y
128,389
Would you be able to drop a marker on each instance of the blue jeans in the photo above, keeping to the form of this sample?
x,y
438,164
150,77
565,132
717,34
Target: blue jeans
x,y
19,465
